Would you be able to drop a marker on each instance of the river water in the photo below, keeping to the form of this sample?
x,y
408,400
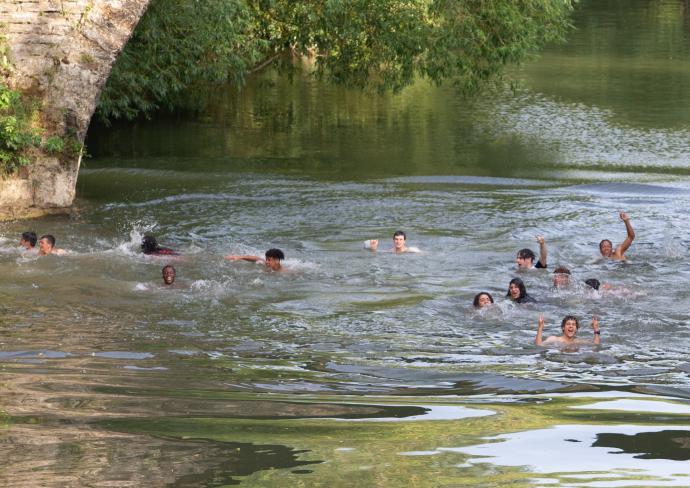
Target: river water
x,y
356,368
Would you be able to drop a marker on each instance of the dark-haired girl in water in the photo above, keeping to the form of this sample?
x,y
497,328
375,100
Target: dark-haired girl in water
x,y
150,247
569,327
518,293
482,299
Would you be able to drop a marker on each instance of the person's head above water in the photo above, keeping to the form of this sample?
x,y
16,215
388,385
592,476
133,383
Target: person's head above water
x,y
273,258
28,240
482,299
399,239
525,258
561,277
169,274
593,282
606,248
46,244
569,326
516,289
149,245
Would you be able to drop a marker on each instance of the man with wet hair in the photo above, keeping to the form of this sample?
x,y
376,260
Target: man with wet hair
x,y
168,275
525,257
46,245
399,243
272,259
618,254
28,240
561,277
569,327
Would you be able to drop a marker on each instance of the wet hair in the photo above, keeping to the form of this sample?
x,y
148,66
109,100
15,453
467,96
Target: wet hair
x,y
399,233
603,241
593,282
526,254
149,245
275,254
30,237
478,295
570,317
50,239
168,266
520,285
561,270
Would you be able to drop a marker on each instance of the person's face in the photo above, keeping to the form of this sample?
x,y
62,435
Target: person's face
x,y
44,246
399,243
561,280
484,300
514,291
606,248
570,328
273,263
523,262
169,276
25,244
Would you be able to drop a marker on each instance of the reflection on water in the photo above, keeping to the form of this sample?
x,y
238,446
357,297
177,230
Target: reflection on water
x,y
581,455
666,444
74,457
235,357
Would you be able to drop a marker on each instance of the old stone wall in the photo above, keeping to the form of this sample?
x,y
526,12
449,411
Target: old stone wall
x,y
61,53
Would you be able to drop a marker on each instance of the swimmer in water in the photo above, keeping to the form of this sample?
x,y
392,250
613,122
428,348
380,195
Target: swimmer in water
x,y
609,289
46,245
150,247
168,275
561,277
525,257
618,254
28,240
482,299
272,260
569,327
593,283
517,292
399,243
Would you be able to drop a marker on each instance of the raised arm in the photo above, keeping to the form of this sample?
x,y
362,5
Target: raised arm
x,y
540,330
595,329
542,250
252,259
373,244
623,246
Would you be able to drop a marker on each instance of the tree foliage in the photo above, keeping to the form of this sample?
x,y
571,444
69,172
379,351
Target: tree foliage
x,y
180,45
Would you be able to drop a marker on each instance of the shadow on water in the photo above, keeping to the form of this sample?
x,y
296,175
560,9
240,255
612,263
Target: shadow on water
x,y
666,444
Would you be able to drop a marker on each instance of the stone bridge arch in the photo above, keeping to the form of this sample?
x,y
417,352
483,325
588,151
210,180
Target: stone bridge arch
x,y
60,53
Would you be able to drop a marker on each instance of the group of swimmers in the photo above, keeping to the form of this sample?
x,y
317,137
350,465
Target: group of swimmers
x,y
46,244
272,260
517,291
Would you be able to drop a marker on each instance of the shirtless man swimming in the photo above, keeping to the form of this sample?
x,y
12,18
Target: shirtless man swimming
x,y
46,245
617,254
399,243
569,326
271,261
